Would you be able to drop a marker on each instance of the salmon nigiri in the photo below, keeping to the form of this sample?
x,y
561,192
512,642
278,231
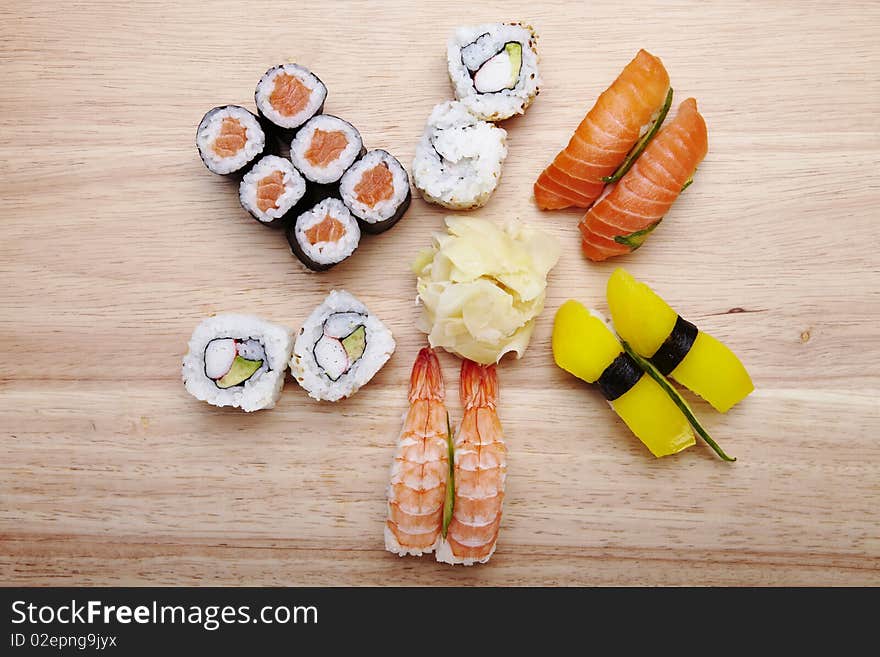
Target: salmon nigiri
x,y
605,136
621,221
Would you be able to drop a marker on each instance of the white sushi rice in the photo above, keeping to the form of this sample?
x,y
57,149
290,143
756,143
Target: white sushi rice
x,y
444,554
266,85
334,170
263,388
383,209
379,347
325,253
458,158
210,128
294,187
472,46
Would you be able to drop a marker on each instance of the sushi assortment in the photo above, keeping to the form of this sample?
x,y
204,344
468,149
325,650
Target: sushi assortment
x,y
230,139
631,373
494,73
481,285
376,190
445,494
622,165
324,235
292,159
242,360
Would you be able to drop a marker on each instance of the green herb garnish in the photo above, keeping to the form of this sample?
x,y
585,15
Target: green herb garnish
x,y
655,374
642,143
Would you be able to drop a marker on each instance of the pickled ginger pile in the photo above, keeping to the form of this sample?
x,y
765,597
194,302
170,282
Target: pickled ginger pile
x,y
481,286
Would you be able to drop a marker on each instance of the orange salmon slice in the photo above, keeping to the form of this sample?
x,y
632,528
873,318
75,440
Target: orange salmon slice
x,y
329,229
376,185
269,189
326,146
604,136
232,138
290,95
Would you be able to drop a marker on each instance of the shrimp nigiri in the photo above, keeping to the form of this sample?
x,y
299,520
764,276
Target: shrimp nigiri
x,y
420,472
605,136
479,471
621,221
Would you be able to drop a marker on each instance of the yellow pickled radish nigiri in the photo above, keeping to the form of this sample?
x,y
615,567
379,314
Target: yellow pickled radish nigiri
x,y
583,345
675,346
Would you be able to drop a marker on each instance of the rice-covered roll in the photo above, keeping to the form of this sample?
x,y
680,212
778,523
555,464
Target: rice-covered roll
x,y
237,360
271,190
458,158
494,68
324,235
376,190
324,148
288,95
229,139
340,347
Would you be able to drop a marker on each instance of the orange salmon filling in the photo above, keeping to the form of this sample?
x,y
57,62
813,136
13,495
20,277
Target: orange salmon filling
x,y
269,189
290,95
326,147
376,185
328,230
232,138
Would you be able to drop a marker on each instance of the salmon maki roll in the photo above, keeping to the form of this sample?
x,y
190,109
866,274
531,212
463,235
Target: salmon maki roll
x,y
621,221
289,95
621,115
230,139
324,148
324,235
272,191
376,191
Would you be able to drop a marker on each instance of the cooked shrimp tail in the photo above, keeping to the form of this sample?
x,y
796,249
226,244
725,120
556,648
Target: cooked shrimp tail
x,y
479,471
419,474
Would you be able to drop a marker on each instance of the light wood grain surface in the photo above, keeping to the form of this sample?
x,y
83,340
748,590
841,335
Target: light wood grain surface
x,y
115,241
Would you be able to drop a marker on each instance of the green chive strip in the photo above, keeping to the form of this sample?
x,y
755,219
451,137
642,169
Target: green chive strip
x,y
688,182
654,373
449,502
642,143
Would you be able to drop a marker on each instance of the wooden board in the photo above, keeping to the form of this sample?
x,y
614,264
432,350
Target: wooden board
x,y
115,241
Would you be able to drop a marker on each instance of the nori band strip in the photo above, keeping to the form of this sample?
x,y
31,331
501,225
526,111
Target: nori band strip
x,y
675,347
619,377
